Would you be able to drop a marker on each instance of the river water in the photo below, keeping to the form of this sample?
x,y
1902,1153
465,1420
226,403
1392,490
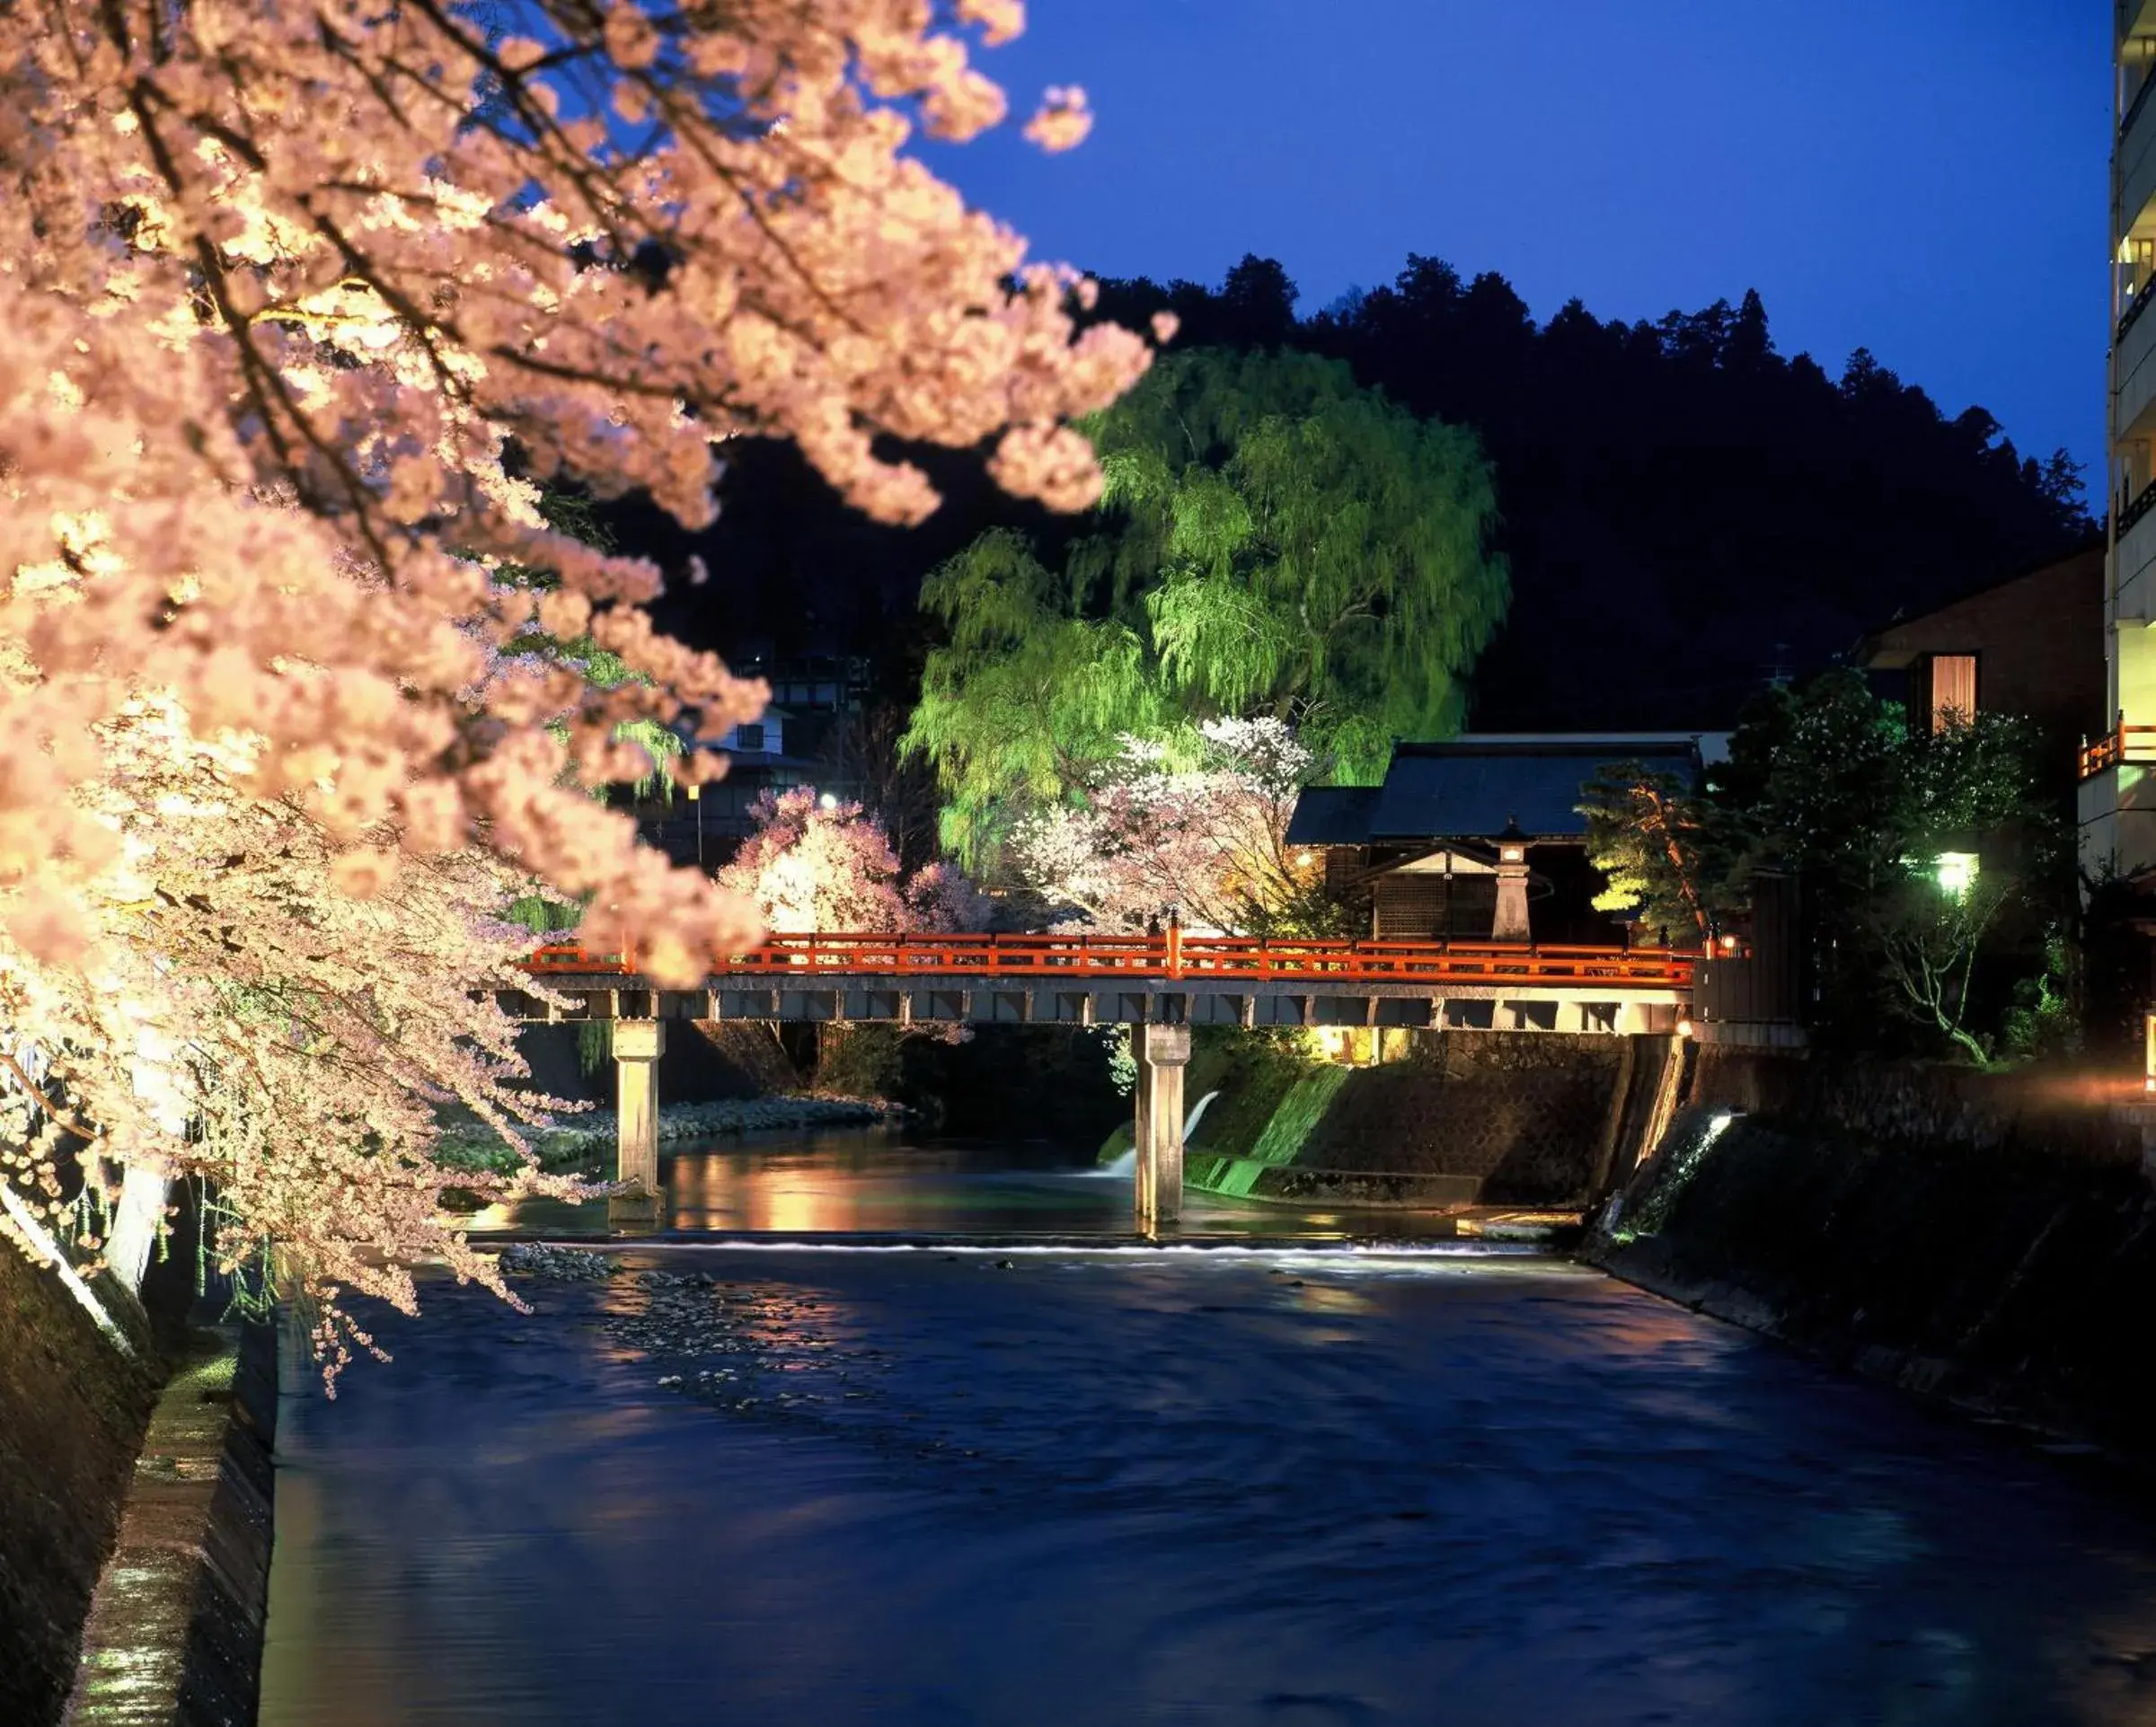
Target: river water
x,y
751,1481
874,1181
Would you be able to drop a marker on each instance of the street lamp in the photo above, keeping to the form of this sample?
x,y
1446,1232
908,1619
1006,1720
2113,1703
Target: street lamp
x,y
1956,873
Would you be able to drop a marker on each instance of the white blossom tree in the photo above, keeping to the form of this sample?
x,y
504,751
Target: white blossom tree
x,y
1199,833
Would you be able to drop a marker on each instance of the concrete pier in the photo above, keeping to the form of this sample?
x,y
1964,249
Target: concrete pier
x,y
1162,1052
637,1044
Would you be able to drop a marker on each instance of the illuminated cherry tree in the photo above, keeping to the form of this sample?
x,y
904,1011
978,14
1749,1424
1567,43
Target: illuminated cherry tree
x,y
816,864
241,1023
1196,830
298,307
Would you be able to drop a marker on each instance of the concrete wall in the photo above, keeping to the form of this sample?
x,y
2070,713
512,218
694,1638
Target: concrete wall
x,y
1987,1240
704,1062
2039,646
1523,1118
72,1410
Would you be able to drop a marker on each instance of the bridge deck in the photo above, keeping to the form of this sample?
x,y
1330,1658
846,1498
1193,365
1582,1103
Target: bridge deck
x,y
1193,960
1085,980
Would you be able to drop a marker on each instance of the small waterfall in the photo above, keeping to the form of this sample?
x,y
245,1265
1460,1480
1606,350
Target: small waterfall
x,y
1197,1114
1683,1148
1125,1167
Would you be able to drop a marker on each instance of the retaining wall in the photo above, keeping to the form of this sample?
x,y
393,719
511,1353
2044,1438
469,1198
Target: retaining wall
x,y
174,1635
1526,1118
1987,1240
704,1061
73,1404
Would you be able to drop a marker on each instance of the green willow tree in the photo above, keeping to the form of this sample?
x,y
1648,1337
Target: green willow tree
x,y
1273,541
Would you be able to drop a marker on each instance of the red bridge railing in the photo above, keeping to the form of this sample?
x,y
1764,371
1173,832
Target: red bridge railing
x,y
1109,958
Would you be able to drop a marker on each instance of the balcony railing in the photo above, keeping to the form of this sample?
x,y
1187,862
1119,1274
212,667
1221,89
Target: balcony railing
x,y
2127,744
2132,314
2132,511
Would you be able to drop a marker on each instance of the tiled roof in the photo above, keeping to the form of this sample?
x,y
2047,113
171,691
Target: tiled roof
x,y
1472,786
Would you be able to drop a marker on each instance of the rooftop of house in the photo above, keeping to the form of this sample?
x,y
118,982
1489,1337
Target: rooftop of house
x,y
1477,785
2045,594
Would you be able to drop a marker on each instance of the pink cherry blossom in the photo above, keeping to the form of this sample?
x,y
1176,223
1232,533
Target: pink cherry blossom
x,y
299,308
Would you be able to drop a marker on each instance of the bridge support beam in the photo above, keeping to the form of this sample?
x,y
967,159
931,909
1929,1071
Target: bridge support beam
x,y
1162,1052
637,1044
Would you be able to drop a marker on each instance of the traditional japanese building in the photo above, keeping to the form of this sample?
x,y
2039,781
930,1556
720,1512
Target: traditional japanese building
x,y
1481,837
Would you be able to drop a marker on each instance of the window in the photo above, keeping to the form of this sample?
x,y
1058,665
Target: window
x,y
748,737
1950,691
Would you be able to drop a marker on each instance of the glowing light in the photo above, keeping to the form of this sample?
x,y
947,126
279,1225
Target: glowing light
x,y
1956,872
1684,1028
1728,943
830,800
1304,859
39,1237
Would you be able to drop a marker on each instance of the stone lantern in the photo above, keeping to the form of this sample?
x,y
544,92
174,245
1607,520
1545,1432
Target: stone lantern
x,y
1511,924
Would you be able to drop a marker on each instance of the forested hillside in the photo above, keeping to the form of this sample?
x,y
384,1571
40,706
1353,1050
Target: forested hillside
x,y
1684,509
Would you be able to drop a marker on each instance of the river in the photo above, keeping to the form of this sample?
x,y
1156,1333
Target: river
x,y
751,1481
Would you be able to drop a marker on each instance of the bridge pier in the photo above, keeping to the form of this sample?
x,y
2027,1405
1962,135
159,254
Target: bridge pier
x,y
636,1043
1162,1052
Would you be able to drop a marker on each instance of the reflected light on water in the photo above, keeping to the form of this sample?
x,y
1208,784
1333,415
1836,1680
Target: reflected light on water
x,y
874,1182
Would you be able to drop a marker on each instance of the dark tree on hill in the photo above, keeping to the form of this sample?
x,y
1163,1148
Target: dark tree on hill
x,y
1685,510
1681,496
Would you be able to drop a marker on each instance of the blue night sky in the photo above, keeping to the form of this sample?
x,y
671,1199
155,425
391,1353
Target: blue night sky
x,y
1927,182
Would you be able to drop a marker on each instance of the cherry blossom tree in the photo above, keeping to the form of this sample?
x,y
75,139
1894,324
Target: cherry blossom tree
x,y
290,1044
299,306
1195,829
814,865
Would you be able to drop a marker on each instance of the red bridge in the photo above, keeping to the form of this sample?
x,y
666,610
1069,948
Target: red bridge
x,y
1161,985
1171,978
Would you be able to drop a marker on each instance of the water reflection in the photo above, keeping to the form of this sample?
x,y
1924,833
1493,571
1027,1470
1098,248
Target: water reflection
x,y
877,1181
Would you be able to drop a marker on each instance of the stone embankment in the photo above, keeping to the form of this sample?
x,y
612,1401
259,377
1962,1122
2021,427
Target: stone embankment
x,y
174,1635
1988,1241
731,1115
73,1402
1444,1119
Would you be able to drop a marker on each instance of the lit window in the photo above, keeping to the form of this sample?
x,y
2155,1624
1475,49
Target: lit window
x,y
1950,697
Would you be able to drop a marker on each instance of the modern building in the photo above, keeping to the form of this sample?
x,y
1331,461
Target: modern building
x,y
2118,770
1479,837
2030,646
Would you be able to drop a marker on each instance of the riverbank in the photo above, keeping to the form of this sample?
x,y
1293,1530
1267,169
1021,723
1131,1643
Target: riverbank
x,y
175,1633
74,1400
1988,1241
